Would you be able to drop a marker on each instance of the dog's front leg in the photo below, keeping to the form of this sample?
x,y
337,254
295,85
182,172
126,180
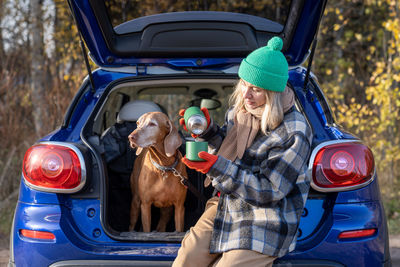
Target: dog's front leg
x,y
146,216
179,217
135,209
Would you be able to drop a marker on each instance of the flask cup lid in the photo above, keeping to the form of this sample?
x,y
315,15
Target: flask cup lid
x,y
195,120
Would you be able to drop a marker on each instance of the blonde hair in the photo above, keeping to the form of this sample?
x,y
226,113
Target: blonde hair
x,y
273,111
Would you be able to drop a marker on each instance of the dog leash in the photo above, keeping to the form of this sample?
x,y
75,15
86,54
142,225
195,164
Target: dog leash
x,y
184,180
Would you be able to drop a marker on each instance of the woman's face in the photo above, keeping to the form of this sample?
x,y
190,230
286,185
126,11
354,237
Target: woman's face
x,y
253,96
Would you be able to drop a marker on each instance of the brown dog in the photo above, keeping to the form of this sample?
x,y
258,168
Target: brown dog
x,y
153,180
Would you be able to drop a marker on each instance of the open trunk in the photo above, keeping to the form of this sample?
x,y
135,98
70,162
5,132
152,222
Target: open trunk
x,y
121,106
116,119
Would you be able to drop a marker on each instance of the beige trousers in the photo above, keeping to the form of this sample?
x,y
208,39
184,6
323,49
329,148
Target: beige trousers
x,y
195,248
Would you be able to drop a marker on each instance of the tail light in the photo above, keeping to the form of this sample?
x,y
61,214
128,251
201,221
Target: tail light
x,y
54,167
357,234
37,234
341,166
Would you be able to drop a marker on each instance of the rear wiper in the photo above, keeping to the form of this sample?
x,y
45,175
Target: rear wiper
x,y
191,70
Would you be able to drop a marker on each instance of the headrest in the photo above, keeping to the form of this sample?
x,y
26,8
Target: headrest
x,y
131,111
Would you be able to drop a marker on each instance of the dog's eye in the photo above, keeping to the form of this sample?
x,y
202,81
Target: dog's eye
x,y
152,124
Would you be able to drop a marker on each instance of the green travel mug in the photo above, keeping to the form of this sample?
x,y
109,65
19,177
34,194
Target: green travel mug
x,y
193,149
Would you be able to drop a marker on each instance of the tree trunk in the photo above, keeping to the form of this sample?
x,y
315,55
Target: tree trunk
x,y
37,68
2,55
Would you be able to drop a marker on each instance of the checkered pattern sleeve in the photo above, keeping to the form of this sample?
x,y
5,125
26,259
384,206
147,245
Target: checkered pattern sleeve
x,y
277,175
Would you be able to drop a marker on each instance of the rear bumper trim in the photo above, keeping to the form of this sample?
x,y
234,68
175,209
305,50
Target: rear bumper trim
x,y
96,263
93,263
306,263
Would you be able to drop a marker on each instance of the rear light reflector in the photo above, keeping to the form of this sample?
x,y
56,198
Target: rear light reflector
x,y
357,234
54,167
341,166
37,234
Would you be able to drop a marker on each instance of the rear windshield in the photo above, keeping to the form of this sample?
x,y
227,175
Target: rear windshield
x,y
121,11
170,96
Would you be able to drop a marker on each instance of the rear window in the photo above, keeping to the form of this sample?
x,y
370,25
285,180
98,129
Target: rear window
x,y
171,96
121,11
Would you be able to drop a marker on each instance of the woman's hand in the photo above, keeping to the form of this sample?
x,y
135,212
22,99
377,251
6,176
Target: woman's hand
x,y
182,120
201,166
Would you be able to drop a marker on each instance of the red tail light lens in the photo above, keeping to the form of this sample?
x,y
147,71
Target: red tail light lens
x,y
357,233
342,166
37,234
54,168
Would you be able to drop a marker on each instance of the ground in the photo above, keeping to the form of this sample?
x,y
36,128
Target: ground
x,y
4,253
394,243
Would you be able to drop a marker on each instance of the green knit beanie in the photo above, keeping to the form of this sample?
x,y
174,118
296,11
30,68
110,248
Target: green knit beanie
x,y
266,67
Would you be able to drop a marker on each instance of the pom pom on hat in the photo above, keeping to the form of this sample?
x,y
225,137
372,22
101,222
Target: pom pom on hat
x,y
275,43
266,67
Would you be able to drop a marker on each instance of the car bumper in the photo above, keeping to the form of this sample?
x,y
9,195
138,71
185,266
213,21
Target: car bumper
x,y
77,244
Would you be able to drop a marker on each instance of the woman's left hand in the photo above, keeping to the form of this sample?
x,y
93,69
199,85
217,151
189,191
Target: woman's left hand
x,y
201,166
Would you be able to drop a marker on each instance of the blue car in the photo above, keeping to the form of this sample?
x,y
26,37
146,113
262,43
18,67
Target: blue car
x,y
74,201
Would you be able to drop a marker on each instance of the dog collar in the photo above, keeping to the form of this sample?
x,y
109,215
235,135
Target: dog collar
x,y
164,168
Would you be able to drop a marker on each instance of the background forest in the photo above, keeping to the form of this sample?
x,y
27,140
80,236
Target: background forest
x,y
357,62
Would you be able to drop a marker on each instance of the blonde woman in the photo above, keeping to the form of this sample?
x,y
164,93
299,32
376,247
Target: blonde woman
x,y
257,164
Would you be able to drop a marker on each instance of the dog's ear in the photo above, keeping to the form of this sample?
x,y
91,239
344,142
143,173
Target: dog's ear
x,y
139,150
172,141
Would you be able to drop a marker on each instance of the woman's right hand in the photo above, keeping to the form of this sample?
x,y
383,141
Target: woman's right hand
x,y
201,166
182,120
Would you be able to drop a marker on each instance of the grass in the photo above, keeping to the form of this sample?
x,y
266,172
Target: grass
x,y
392,209
6,217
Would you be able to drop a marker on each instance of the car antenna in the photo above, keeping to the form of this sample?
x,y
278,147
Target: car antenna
x,y
82,44
87,64
310,59
314,45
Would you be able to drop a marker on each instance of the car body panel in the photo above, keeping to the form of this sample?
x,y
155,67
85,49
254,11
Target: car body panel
x,y
79,229
82,238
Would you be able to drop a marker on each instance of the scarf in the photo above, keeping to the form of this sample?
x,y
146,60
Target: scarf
x,y
247,123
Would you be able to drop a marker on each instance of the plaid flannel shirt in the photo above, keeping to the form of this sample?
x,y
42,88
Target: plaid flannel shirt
x,y
264,193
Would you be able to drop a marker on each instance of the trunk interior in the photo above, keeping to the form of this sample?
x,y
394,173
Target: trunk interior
x,y
116,119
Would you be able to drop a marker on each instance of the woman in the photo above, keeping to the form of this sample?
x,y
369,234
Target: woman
x,y
259,171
